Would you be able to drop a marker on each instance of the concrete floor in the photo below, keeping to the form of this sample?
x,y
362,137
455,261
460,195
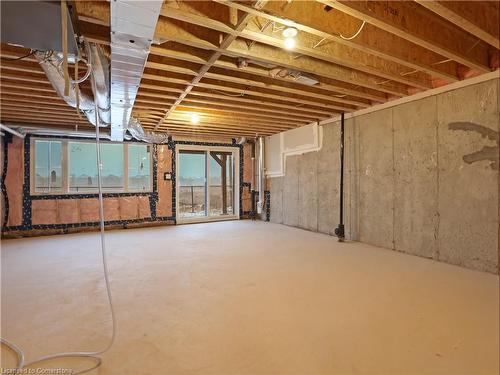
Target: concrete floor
x,y
250,298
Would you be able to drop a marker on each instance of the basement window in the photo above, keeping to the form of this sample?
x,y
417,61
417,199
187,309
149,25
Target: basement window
x,y
48,167
70,167
83,167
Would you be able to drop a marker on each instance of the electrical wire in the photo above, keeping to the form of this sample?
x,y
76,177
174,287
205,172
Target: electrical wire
x,y
95,356
355,34
226,94
32,52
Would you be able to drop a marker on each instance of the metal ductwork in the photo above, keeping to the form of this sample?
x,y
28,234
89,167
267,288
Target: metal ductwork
x,y
133,25
117,81
135,129
51,63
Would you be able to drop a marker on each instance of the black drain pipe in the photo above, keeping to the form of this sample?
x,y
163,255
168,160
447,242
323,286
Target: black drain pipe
x,y
339,231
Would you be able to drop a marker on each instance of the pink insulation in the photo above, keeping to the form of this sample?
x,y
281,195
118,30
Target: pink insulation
x,y
164,158
68,211
246,200
247,163
89,210
164,204
14,181
44,211
144,207
129,208
111,209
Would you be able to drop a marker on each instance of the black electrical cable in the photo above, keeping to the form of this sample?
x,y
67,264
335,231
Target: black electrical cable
x,y
5,197
20,57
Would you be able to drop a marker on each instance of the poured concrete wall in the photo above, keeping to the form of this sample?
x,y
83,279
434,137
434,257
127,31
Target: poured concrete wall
x,y
421,177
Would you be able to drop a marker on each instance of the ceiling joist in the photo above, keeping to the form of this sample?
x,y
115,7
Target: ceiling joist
x,y
225,61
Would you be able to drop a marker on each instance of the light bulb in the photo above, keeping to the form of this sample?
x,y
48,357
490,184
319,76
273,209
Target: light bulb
x,y
289,43
289,32
195,118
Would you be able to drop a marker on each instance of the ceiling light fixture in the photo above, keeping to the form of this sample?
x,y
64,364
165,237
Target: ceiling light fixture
x,y
289,34
195,118
290,43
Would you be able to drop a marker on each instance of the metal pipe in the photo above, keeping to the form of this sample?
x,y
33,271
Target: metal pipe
x,y
260,177
12,131
40,130
339,231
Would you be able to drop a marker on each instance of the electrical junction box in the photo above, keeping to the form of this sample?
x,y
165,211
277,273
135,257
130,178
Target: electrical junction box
x,y
167,176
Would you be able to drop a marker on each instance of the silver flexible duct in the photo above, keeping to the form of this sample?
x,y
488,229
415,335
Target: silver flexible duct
x,y
51,63
135,129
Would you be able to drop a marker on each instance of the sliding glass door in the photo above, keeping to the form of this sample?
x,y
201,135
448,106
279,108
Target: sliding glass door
x,y
192,192
221,183
207,183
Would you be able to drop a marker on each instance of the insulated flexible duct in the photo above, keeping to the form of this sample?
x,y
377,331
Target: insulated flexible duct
x,y
51,63
99,63
135,129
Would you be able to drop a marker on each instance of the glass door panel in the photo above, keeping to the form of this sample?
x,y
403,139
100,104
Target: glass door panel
x,y
192,184
221,182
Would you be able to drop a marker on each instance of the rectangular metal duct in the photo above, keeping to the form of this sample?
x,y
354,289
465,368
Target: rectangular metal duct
x,y
35,25
133,24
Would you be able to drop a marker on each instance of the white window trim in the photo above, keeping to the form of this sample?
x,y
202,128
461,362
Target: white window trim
x,y
207,149
65,167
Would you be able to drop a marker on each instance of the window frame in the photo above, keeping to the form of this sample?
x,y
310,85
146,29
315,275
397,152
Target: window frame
x,y
65,190
236,186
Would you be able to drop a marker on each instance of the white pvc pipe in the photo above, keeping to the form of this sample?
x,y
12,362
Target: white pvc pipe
x,y
260,177
11,131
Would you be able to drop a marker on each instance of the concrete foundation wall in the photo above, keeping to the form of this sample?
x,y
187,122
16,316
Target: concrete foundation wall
x,y
421,178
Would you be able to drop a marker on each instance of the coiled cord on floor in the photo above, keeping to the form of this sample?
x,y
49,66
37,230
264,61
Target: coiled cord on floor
x,y
95,356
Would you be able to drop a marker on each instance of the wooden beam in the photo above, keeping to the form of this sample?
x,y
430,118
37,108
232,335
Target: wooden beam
x,y
223,123
42,113
209,98
215,124
210,125
46,102
47,122
417,25
264,84
38,107
183,131
277,56
26,92
213,109
95,10
226,42
310,17
261,116
298,111
341,55
261,94
239,91
479,18
42,88
324,83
